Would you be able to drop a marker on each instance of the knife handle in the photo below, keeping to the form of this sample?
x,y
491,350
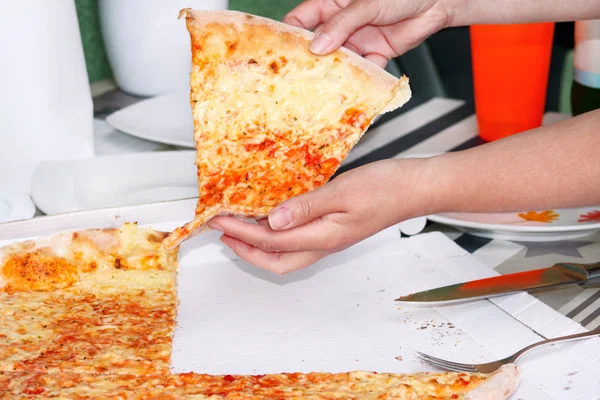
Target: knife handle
x,y
590,271
591,284
593,276
588,274
593,270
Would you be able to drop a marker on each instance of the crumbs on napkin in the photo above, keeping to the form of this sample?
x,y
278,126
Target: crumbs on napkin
x,y
439,330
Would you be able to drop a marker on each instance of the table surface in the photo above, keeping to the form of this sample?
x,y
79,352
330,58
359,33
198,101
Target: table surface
x,y
431,126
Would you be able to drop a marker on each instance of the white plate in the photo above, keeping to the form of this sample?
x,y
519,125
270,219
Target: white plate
x,y
164,119
14,207
114,181
560,224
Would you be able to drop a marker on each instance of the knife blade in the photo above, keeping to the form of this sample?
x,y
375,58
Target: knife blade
x,y
556,275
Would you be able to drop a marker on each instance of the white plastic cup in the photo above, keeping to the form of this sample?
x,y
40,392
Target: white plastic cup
x,y
45,100
147,46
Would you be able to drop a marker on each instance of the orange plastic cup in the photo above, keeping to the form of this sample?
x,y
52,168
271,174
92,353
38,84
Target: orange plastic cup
x,y
510,75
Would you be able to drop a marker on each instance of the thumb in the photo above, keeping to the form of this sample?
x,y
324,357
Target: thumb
x,y
341,25
306,207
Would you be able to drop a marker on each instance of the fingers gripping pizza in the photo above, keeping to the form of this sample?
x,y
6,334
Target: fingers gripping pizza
x,y
271,119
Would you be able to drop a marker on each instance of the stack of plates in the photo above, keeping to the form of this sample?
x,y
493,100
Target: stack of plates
x,y
14,207
164,119
531,226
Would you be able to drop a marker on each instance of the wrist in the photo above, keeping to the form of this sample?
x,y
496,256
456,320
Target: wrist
x,y
431,173
457,12
419,184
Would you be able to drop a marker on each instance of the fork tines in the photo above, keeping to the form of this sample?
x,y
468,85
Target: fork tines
x,y
444,364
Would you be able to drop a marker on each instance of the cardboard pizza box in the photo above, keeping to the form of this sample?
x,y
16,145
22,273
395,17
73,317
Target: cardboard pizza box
x,y
339,314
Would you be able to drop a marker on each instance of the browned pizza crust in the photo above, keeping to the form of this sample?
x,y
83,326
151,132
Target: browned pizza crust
x,y
500,385
299,38
313,386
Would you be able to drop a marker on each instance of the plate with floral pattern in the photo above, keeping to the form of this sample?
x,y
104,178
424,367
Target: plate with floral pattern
x,y
540,225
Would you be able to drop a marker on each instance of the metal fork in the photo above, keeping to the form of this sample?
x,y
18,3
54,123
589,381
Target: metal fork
x,y
489,367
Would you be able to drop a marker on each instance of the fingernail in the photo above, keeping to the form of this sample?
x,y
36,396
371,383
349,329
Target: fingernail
x,y
320,43
215,226
280,218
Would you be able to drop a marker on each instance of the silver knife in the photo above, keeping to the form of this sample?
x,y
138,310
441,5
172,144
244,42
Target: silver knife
x,y
556,275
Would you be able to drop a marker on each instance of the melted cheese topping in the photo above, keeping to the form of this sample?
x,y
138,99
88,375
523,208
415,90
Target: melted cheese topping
x,y
353,385
271,120
38,271
91,301
125,333
61,260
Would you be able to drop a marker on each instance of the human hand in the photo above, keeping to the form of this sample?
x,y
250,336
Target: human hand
x,y
379,30
350,208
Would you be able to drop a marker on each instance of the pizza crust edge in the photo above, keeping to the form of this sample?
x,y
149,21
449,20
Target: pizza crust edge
x,y
500,385
237,18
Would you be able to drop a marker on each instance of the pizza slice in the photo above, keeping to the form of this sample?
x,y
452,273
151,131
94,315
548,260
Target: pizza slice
x,y
271,119
97,300
352,385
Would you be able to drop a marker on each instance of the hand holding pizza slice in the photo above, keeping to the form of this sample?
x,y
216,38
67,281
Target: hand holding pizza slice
x,y
355,205
271,119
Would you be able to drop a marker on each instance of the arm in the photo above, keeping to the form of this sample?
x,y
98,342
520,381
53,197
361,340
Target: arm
x,y
549,167
469,12
382,29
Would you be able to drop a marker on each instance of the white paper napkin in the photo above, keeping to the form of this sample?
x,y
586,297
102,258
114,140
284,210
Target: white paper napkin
x,y
339,315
